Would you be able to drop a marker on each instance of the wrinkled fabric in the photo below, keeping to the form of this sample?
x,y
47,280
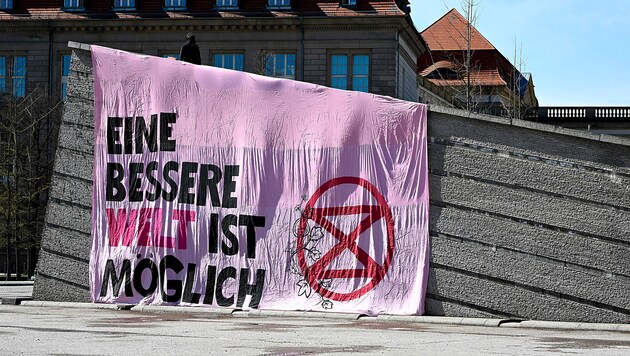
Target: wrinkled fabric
x,y
220,188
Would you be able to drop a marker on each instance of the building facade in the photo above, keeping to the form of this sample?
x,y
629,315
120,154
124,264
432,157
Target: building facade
x,y
366,45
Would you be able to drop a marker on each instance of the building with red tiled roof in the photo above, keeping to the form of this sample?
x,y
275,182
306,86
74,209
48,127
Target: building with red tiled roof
x,y
367,45
492,85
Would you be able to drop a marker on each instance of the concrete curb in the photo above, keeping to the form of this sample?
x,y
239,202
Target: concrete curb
x,y
186,310
303,314
504,323
37,303
561,325
436,320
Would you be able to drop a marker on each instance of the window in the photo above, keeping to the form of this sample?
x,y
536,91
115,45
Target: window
x,y
174,4
279,4
13,75
124,5
348,2
228,61
444,73
65,72
18,81
360,72
170,55
339,72
280,65
6,4
73,5
227,4
3,75
350,72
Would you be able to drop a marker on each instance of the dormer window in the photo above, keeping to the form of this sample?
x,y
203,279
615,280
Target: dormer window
x,y
73,5
227,4
279,4
124,5
6,4
175,5
348,3
443,73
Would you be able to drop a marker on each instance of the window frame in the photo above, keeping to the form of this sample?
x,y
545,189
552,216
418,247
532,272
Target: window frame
x,y
348,3
286,6
9,78
350,68
122,8
63,79
285,54
173,7
15,77
227,53
6,5
224,7
70,7
167,54
4,74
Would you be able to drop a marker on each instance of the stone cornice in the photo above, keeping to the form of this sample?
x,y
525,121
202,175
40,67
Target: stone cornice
x,y
207,24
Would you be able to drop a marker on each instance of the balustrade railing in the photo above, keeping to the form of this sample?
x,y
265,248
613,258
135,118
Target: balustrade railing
x,y
554,114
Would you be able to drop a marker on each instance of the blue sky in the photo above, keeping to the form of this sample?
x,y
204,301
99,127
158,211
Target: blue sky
x,y
578,51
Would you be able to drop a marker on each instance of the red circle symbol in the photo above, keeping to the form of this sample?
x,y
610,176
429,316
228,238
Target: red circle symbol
x,y
372,270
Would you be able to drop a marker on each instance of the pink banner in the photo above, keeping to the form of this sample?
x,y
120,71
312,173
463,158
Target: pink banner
x,y
228,189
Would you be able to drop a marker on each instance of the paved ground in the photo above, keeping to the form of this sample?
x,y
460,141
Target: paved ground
x,y
64,330
50,330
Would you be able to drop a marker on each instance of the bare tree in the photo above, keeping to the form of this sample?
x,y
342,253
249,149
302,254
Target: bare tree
x,y
471,19
473,83
28,131
263,60
461,69
522,104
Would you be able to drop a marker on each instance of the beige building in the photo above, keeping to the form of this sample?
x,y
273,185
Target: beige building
x,y
367,45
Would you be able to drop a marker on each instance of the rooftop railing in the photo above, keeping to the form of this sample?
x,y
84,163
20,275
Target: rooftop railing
x,y
568,114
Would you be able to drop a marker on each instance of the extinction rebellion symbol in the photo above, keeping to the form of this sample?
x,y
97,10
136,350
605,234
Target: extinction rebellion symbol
x,y
376,213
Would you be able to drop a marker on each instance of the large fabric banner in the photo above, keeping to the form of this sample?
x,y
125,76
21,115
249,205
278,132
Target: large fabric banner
x,y
221,188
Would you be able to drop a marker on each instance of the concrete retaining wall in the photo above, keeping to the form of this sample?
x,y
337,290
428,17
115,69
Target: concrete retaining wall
x,y
528,221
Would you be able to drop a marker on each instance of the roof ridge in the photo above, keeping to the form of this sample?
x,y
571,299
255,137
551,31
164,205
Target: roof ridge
x,y
443,28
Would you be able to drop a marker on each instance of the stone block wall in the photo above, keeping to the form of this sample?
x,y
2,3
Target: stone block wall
x,y
528,221
62,268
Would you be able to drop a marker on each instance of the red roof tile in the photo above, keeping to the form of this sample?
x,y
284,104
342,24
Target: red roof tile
x,y
50,9
450,33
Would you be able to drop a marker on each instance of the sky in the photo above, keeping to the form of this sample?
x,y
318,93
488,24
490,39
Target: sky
x,y
578,51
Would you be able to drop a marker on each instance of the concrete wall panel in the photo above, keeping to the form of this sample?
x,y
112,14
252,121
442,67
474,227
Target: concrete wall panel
x,y
550,176
541,242
533,272
554,212
77,137
72,190
451,286
77,164
527,220
56,289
